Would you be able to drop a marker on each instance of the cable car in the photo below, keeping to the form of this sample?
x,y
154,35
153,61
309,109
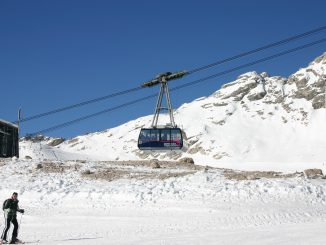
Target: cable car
x,y
160,139
168,137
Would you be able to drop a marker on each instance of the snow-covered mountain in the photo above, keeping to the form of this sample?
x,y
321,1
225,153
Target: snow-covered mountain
x,y
280,123
256,118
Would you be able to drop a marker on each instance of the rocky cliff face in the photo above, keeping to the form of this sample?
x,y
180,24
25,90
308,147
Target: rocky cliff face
x,y
310,83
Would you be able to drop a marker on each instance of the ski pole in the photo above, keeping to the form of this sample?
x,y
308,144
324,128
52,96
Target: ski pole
x,y
20,221
21,217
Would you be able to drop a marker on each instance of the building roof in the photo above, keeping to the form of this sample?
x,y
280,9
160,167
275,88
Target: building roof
x,y
9,123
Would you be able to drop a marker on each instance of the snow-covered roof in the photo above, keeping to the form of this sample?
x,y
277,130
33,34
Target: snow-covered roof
x,y
9,123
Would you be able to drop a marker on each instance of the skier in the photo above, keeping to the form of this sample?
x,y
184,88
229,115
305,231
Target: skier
x,y
10,208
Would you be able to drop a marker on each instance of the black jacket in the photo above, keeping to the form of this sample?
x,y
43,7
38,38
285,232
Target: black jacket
x,y
11,207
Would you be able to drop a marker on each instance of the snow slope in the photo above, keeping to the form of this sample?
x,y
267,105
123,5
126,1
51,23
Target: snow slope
x,y
254,119
65,207
255,122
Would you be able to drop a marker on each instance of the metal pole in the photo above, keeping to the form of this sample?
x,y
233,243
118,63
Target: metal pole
x,y
21,217
167,93
163,79
19,119
158,107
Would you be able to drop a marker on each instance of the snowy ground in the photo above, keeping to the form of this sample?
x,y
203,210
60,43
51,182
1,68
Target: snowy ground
x,y
64,206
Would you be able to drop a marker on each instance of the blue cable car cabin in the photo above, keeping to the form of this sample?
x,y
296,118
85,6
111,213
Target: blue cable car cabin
x,y
160,139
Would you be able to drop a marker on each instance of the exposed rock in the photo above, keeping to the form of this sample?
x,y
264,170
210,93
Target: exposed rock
x,y
187,160
225,86
196,149
318,102
72,141
251,177
321,83
222,122
241,91
36,138
220,104
292,79
279,99
284,120
313,173
54,167
81,161
206,106
320,59
38,166
306,93
220,155
287,107
260,112
257,96
312,71
154,163
192,141
301,83
87,172
254,175
56,141
28,157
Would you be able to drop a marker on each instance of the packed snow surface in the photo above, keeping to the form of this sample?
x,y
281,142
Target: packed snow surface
x,y
66,206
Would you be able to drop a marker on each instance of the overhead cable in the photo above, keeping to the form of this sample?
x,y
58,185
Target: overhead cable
x,y
183,86
79,104
251,63
278,43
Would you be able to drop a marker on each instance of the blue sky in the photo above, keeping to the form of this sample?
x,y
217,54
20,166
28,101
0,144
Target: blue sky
x,y
58,53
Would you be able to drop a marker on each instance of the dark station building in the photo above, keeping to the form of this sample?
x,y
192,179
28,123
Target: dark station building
x,y
9,146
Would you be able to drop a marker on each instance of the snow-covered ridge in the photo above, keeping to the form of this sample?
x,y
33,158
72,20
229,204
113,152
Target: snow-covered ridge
x,y
256,118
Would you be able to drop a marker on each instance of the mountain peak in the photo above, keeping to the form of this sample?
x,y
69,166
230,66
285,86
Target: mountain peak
x,y
319,60
308,84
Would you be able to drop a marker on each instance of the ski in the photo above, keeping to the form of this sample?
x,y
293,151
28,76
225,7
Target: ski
x,y
26,242
20,242
36,241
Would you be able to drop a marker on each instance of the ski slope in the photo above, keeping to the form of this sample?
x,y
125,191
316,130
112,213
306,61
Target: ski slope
x,y
204,207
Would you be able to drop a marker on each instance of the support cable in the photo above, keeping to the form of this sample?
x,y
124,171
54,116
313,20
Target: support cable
x,y
278,43
182,86
79,104
284,41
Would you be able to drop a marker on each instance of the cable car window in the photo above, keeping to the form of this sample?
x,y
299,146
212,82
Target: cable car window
x,y
145,136
160,139
155,135
176,137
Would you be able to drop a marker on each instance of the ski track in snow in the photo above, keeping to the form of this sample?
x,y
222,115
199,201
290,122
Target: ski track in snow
x,y
202,208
